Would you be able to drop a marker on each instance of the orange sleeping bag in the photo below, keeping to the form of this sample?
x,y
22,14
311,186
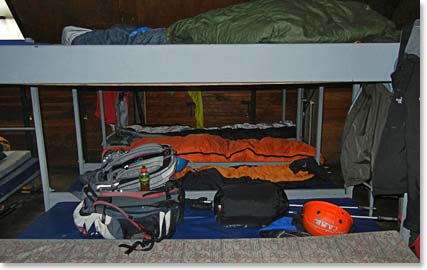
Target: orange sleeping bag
x,y
212,148
272,173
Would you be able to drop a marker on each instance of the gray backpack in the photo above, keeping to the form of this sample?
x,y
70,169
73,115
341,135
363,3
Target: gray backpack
x,y
149,216
121,169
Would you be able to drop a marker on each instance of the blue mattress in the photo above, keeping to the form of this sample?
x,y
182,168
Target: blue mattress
x,y
18,177
12,161
58,223
19,43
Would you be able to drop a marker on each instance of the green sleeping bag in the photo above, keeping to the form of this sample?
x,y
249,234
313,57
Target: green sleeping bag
x,y
285,21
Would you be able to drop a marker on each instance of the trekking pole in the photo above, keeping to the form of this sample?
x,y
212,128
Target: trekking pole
x,y
344,207
379,218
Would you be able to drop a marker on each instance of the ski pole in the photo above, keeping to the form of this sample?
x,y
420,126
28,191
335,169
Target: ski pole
x,y
344,207
379,218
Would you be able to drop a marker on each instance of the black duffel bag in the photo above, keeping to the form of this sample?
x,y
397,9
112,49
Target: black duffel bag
x,y
253,204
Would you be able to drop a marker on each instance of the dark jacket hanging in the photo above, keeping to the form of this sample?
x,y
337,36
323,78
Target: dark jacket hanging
x,y
397,167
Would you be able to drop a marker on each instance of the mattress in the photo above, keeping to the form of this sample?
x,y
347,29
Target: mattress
x,y
16,169
19,177
125,136
13,160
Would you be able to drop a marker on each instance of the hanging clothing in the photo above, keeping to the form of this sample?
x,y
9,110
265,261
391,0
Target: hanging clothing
x,y
197,98
362,132
116,104
139,108
397,169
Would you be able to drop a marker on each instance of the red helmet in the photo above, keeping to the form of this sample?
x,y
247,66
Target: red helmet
x,y
322,218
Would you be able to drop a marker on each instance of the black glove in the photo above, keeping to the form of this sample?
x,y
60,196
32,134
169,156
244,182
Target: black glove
x,y
309,165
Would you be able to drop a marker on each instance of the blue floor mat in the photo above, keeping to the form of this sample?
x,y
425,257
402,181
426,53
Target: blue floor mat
x,y
58,223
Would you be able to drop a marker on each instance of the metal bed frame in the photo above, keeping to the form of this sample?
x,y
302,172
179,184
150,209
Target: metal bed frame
x,y
85,166
225,64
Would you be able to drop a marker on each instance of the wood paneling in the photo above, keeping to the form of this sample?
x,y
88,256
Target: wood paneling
x,y
169,107
44,20
220,107
337,102
11,115
225,108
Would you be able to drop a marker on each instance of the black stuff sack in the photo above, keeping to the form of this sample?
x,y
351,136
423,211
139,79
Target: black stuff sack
x,y
250,205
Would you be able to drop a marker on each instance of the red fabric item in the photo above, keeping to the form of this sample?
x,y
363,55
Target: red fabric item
x,y
110,98
416,247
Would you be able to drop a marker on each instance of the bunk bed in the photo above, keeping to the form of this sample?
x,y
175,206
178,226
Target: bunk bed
x,y
279,64
247,64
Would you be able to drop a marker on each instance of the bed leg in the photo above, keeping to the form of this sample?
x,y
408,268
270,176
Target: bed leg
x,y
371,200
77,124
299,113
41,150
403,203
310,121
355,92
103,128
283,105
319,124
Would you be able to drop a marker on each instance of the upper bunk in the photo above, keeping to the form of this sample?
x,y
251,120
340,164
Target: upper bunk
x,y
256,42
